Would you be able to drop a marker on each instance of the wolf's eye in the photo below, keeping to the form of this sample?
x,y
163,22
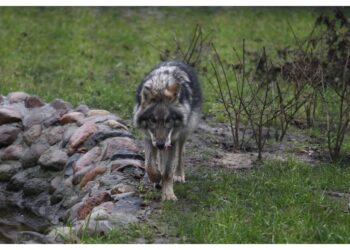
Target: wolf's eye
x,y
177,122
153,119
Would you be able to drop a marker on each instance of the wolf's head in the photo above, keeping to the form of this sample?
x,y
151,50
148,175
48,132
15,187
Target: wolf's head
x,y
160,116
169,95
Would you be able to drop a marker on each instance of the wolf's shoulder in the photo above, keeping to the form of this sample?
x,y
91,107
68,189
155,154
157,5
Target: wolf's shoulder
x,y
169,71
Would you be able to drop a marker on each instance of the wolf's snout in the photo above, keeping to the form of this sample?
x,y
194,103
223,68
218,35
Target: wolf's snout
x,y
160,145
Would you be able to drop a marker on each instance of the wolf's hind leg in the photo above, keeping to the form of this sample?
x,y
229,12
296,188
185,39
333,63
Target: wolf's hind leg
x,y
179,175
151,162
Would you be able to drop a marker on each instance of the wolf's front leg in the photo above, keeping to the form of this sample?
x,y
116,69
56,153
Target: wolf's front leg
x,y
179,175
151,162
168,164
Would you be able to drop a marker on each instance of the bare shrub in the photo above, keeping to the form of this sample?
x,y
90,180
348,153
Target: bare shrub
x,y
321,62
255,96
336,107
192,52
227,92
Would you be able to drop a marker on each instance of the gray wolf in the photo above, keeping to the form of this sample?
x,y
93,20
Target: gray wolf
x,y
167,111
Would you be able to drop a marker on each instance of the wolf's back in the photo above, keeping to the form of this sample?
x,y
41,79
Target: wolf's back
x,y
172,71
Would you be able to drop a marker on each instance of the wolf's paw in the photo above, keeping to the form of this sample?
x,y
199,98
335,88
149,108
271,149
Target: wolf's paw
x,y
169,196
179,178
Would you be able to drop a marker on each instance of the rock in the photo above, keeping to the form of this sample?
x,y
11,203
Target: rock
x,y
29,237
8,134
114,124
61,105
17,97
110,180
122,188
92,202
103,134
70,199
69,182
17,181
99,213
56,183
53,159
92,227
100,112
7,170
63,234
33,102
29,176
111,145
99,119
35,186
88,158
55,135
78,176
9,116
73,212
128,204
68,169
90,187
117,197
120,164
120,218
32,134
52,120
108,206
12,153
72,117
133,171
69,131
19,107
56,198
83,109
91,175
126,154
80,135
31,155
45,115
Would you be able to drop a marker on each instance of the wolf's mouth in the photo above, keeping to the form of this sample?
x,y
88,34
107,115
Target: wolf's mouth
x,y
168,147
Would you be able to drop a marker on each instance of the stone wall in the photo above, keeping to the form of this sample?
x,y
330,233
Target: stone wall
x,y
68,165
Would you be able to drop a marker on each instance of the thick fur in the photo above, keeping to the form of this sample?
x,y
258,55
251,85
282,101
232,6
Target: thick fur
x,y
167,111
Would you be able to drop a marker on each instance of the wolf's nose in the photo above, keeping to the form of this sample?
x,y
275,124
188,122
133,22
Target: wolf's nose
x,y
160,145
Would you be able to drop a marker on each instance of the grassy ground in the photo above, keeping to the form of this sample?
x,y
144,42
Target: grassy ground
x,y
279,202
98,56
282,202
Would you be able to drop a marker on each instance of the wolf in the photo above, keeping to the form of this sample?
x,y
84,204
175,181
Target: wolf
x,y
168,109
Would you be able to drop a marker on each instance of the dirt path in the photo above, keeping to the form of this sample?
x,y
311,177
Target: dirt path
x,y
212,144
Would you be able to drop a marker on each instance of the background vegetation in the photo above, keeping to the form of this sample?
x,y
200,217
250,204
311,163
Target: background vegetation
x,y
98,56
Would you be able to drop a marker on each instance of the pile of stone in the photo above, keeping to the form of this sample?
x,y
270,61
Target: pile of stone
x,y
70,166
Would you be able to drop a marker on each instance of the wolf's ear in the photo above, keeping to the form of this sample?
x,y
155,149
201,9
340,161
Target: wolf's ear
x,y
173,92
146,95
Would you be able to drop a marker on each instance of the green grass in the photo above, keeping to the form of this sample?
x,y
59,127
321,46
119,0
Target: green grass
x,y
280,202
98,56
126,235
